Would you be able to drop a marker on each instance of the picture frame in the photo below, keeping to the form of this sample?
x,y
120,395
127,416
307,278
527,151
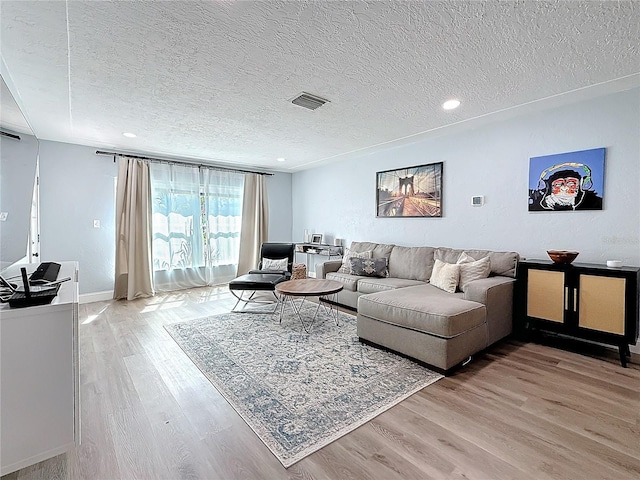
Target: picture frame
x,y
410,191
316,238
567,181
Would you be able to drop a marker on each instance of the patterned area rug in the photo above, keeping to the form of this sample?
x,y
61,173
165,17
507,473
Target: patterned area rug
x,y
298,391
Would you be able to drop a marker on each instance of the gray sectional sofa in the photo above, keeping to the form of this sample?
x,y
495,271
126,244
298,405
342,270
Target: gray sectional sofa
x,y
405,313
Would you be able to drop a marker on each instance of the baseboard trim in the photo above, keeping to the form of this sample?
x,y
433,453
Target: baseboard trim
x,y
96,296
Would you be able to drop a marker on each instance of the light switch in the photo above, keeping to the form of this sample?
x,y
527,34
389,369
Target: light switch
x,y
3,216
96,224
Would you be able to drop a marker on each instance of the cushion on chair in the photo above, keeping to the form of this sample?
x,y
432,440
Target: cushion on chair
x,y
257,281
275,264
277,251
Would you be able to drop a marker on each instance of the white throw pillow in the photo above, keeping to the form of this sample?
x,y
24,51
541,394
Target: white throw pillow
x,y
279,264
348,255
445,276
471,269
465,258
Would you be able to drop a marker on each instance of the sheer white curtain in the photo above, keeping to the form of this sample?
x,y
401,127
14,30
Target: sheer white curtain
x,y
196,221
133,231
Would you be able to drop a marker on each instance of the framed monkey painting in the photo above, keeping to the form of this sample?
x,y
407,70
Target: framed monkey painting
x,y
567,181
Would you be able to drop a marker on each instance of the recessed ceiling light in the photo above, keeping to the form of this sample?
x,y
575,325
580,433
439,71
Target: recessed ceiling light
x,y
451,104
129,135
280,159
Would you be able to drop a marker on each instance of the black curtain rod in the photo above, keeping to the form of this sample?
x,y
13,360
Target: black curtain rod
x,y
180,162
10,135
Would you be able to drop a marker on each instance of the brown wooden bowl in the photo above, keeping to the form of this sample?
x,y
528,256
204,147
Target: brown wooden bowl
x,y
562,256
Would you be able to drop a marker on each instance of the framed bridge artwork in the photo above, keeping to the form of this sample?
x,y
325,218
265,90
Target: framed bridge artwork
x,y
410,192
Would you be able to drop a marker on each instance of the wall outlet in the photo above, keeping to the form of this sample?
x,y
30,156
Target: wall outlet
x,y
3,216
96,224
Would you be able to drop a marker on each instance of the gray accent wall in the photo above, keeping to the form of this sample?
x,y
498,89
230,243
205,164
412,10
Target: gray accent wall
x,y
77,187
280,210
18,160
493,160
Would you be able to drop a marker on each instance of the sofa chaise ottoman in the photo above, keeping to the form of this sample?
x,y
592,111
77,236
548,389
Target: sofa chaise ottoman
x,y
405,312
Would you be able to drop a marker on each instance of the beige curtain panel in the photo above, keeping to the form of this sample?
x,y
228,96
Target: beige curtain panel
x,y
134,276
255,222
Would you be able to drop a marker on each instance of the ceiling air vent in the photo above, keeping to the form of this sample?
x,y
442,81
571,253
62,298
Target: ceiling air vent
x,y
309,101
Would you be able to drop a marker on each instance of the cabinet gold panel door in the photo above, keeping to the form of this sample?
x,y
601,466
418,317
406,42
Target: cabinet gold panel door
x,y
602,303
545,295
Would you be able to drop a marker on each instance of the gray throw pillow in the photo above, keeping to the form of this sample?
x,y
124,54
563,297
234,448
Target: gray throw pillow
x,y
370,267
348,255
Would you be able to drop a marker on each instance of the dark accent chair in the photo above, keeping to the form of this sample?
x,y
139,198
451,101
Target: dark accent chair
x,y
276,251
260,280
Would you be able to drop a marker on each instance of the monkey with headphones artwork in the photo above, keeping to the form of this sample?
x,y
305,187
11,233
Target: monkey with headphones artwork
x,y
564,186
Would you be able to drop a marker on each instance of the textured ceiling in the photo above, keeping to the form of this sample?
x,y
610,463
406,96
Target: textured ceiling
x,y
214,80
11,118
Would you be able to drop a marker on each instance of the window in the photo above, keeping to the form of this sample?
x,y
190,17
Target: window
x,y
196,220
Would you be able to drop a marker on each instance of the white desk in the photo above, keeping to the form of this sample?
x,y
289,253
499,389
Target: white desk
x,y
39,376
321,250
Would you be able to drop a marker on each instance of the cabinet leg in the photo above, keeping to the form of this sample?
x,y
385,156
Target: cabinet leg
x,y
524,331
627,352
623,354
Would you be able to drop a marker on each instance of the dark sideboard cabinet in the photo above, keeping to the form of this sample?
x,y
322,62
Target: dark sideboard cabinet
x,y
585,301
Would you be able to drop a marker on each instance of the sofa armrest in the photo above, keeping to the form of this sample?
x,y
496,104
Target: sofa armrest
x,y
327,267
496,293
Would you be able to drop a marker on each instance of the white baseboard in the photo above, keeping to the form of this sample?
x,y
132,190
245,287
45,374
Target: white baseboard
x,y
96,296
635,348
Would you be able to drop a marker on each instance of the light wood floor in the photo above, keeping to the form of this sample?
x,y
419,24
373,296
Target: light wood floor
x,y
519,411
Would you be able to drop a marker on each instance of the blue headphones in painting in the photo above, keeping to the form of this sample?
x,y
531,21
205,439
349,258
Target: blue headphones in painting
x,y
585,172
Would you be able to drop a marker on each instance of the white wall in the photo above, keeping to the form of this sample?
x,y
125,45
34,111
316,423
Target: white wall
x,y
493,160
77,187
